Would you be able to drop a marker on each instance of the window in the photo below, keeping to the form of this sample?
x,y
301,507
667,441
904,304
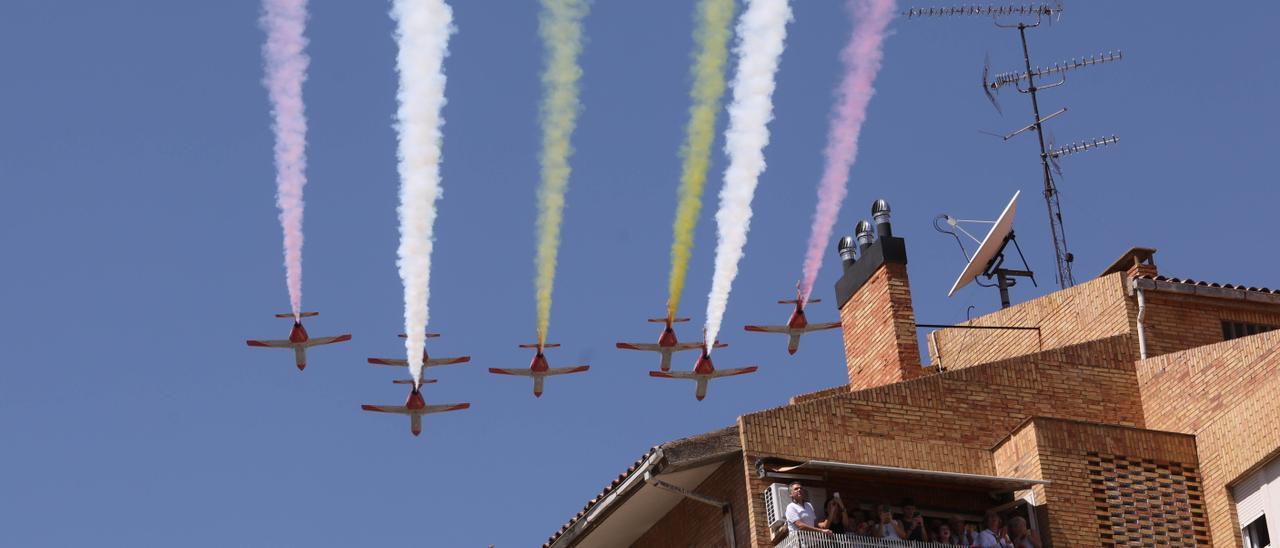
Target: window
x,y
1235,330
1255,534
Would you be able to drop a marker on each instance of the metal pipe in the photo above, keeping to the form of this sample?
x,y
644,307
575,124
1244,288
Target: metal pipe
x,y
1142,314
726,510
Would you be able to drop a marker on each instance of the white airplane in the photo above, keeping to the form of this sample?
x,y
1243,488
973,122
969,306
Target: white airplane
x,y
538,368
427,361
797,325
298,339
415,407
702,372
667,343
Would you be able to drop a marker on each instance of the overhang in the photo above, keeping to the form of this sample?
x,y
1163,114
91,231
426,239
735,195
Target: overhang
x,y
628,507
891,474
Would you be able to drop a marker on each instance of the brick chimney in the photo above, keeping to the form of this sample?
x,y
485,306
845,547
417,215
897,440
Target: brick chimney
x,y
1138,262
874,296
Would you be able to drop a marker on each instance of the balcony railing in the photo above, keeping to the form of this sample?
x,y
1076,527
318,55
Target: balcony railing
x,y
810,539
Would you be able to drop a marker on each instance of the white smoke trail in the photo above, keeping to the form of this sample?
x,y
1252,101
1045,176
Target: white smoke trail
x,y
423,28
762,30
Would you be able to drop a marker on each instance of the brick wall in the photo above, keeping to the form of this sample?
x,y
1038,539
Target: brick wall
x,y
695,524
1176,322
1093,310
1109,485
1228,395
879,327
948,421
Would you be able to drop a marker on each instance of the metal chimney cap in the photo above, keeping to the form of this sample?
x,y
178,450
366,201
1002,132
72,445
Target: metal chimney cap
x,y
866,235
846,247
880,206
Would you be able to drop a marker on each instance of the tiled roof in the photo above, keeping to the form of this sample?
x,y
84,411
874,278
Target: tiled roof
x,y
690,451
1189,281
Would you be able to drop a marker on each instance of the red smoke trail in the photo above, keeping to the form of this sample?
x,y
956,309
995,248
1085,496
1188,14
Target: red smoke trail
x,y
286,68
861,59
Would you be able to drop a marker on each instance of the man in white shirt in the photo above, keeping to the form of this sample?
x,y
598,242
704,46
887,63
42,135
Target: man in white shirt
x,y
800,514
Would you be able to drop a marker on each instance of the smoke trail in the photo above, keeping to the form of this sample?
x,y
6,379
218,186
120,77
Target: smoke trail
x,y
560,25
286,69
712,36
761,33
422,33
861,59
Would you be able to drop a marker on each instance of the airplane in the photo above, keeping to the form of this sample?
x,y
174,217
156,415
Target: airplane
x,y
427,361
667,343
797,325
415,407
702,372
299,341
538,368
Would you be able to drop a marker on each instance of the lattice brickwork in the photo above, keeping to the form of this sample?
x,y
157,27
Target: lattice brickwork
x,y
1142,502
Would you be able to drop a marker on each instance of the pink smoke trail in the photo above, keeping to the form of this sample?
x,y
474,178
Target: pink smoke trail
x,y
286,69
861,59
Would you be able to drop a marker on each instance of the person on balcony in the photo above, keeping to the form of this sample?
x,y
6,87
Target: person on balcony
x,y
913,522
961,533
888,527
800,515
838,520
1020,535
994,536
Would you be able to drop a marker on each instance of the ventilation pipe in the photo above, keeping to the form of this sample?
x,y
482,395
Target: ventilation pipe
x,y
880,214
1142,314
848,249
866,236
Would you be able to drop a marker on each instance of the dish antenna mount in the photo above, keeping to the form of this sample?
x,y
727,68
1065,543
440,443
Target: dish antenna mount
x,y
988,260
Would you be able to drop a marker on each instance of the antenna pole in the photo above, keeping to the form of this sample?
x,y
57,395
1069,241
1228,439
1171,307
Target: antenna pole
x,y
1059,233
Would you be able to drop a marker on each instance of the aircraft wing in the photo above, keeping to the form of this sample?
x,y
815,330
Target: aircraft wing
x,y
696,346
389,361
769,328
446,361
445,407
731,372
328,340
647,347
517,372
673,374
567,370
271,344
387,409
821,326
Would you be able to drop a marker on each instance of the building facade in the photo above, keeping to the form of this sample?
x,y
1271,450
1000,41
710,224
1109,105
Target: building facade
x,y
1132,409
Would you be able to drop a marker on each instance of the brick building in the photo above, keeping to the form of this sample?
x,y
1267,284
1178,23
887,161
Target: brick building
x,y
1132,409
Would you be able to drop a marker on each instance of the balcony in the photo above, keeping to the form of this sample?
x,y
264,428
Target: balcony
x,y
810,539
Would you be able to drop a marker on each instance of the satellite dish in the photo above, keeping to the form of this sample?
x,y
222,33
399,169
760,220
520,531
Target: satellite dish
x,y
988,260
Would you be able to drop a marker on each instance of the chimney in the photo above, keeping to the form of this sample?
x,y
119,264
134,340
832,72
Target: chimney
x,y
1138,262
874,296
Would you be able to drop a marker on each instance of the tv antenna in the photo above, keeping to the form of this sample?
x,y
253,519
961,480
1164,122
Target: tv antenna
x,y
1025,81
988,259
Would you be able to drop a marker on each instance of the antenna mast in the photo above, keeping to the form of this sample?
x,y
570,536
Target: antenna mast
x,y
1025,82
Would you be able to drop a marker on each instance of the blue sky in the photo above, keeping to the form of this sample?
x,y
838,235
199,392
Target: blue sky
x,y
141,247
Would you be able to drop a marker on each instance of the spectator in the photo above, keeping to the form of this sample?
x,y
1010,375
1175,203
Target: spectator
x,y
1020,535
861,522
837,517
962,534
913,522
800,514
942,534
886,526
993,536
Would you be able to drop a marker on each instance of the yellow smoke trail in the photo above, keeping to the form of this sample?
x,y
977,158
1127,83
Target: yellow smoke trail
x,y
712,36
560,25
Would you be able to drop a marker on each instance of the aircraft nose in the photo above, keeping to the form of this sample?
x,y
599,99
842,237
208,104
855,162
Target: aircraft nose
x,y
700,397
302,366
